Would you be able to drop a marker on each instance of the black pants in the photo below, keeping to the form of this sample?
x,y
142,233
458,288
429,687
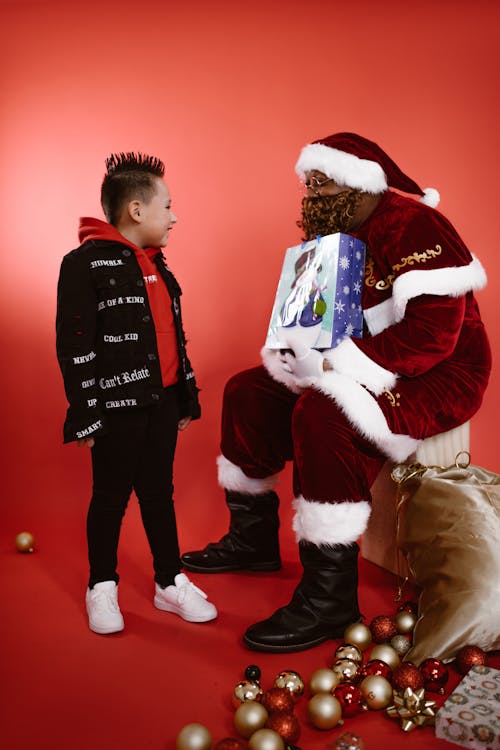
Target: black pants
x,y
137,453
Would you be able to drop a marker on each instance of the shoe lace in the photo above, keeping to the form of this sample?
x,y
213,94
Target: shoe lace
x,y
187,588
104,601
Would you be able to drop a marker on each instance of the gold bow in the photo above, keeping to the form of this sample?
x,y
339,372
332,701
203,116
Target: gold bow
x,y
412,709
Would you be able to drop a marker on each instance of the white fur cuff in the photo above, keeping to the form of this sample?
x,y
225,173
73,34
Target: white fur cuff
x,y
366,416
348,359
454,281
330,523
231,477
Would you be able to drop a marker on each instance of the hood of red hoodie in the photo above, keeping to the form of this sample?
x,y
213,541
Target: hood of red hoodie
x,y
96,229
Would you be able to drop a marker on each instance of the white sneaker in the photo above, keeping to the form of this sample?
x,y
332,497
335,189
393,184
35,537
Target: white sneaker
x,y
185,599
102,608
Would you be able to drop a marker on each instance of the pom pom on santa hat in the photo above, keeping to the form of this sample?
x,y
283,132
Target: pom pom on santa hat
x,y
352,160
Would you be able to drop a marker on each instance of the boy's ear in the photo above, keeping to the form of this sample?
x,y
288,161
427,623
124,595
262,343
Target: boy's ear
x,y
134,211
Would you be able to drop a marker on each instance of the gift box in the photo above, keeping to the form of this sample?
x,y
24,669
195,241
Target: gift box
x,y
318,299
470,717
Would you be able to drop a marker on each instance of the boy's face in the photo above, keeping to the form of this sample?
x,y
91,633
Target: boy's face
x,y
157,218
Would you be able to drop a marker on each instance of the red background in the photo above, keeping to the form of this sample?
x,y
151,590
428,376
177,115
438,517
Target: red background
x,y
227,94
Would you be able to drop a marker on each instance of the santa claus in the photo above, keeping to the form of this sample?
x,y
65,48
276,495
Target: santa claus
x,y
421,368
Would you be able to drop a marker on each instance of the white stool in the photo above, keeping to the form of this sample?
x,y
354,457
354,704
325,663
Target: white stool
x,y
378,543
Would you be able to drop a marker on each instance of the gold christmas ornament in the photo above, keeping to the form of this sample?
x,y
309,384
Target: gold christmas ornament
x,y
246,690
324,711
412,709
25,542
349,651
385,653
194,737
292,681
249,717
265,739
376,691
346,669
405,621
323,681
358,635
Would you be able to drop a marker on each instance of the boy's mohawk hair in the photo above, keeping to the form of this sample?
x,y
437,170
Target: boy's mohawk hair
x,y
134,162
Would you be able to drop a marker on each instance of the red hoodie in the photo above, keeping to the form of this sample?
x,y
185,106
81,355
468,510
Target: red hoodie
x,y
159,298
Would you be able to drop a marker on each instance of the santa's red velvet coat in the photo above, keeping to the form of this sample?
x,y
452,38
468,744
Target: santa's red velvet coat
x,y
421,369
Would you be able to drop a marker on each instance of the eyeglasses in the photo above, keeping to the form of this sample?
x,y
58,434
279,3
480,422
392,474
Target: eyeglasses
x,y
313,183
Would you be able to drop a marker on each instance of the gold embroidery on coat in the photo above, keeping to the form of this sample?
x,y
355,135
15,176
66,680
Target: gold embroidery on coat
x,y
369,277
393,397
410,260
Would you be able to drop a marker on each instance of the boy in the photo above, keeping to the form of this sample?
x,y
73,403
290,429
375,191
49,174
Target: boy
x,y
129,383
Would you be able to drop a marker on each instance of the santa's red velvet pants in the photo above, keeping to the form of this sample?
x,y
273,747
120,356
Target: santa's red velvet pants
x,y
264,425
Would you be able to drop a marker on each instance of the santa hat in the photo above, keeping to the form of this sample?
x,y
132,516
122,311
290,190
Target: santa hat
x,y
352,160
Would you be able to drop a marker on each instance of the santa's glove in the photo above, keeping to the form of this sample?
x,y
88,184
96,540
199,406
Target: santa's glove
x,y
306,366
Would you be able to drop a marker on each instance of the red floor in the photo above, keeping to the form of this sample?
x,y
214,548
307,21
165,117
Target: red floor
x,y
65,687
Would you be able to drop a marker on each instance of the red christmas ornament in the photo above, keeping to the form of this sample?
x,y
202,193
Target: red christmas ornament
x,y
230,744
382,628
407,676
409,607
278,700
435,675
376,666
287,726
349,697
469,656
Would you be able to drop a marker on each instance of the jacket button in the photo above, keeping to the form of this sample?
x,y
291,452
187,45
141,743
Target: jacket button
x,y
140,282
155,396
126,252
112,282
151,357
146,319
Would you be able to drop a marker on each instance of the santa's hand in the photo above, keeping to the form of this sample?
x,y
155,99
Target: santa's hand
x,y
283,358
305,365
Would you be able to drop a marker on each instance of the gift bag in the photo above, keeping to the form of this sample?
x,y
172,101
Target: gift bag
x,y
449,531
318,300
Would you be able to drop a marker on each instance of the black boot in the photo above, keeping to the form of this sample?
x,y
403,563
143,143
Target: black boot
x,y
324,603
252,542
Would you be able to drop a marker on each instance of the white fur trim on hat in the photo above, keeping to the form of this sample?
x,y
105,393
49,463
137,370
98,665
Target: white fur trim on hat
x,y
430,197
348,359
454,281
329,523
364,413
231,477
344,168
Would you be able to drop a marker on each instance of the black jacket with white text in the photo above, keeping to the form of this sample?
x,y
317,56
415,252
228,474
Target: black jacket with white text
x,y
106,340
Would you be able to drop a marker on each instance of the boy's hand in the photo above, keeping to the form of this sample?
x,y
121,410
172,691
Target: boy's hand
x,y
183,423
86,443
